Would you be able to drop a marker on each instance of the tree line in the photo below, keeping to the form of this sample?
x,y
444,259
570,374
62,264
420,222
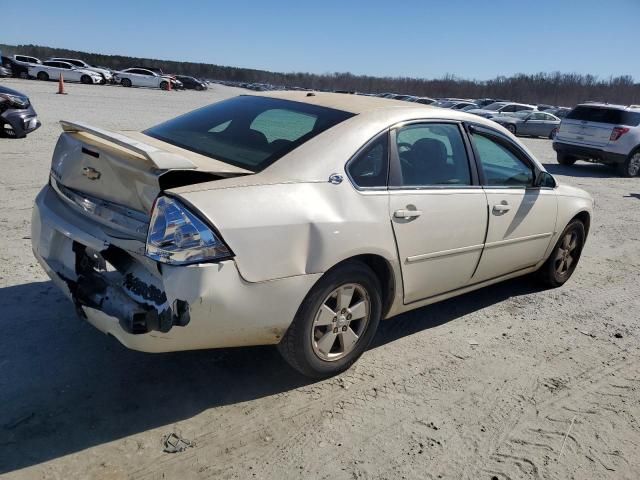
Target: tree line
x,y
554,88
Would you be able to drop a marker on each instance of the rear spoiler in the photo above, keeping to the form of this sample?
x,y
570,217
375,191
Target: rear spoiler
x,y
160,158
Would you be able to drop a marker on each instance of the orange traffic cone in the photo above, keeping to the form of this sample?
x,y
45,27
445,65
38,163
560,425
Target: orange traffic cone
x,y
169,85
61,85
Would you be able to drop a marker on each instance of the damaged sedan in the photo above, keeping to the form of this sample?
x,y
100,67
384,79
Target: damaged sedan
x,y
299,219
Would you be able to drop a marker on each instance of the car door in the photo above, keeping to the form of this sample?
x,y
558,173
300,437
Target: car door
x,y
437,208
53,69
538,127
68,72
522,218
137,80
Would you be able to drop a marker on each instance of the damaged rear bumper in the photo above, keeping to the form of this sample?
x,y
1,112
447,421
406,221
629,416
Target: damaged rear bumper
x,y
152,307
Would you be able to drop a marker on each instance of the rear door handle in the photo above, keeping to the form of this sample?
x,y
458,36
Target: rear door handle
x,y
501,208
407,213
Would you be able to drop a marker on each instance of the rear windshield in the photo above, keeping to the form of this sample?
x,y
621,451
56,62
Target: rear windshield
x,y
605,115
248,131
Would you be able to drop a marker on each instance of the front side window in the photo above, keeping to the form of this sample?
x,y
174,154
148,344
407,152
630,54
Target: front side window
x,y
370,167
250,132
500,164
432,154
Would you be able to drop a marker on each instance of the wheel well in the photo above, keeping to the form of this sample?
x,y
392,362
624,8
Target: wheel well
x,y
382,269
585,218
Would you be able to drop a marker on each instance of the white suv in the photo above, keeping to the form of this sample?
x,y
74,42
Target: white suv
x,y
602,133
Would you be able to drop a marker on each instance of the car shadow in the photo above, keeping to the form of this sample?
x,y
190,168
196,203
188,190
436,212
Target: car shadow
x,y
65,387
582,169
632,195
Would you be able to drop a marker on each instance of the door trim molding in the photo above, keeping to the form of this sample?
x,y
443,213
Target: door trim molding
x,y
510,241
444,253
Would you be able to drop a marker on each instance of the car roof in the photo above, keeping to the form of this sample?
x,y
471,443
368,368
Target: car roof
x,y
341,101
612,106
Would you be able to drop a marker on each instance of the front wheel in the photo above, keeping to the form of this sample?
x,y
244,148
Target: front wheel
x,y
125,82
512,128
86,79
631,166
164,85
335,323
565,256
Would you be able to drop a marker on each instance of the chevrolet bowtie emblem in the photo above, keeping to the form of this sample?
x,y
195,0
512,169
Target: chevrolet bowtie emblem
x,y
91,173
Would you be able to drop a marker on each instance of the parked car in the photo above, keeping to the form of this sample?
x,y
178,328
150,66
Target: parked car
x,y
140,77
191,83
473,106
26,60
454,104
559,112
501,108
51,70
277,219
18,69
525,122
17,116
483,102
105,73
603,133
424,100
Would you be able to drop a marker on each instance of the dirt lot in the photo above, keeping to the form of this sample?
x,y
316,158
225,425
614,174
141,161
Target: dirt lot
x,y
551,390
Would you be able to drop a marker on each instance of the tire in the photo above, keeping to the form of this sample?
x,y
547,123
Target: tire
x,y
86,79
314,343
631,166
125,82
23,75
44,76
553,134
564,159
164,85
564,257
511,127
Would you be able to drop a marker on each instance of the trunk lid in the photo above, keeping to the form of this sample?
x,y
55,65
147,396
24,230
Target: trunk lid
x,y
128,169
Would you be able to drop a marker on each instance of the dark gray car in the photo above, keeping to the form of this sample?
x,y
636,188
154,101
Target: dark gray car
x,y
17,116
535,124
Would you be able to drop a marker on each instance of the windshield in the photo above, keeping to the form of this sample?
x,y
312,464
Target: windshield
x,y
248,131
495,106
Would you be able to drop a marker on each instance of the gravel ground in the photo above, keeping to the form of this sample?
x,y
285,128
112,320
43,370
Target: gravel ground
x,y
551,390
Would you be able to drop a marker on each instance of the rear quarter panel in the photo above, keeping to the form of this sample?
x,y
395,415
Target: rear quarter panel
x,y
288,229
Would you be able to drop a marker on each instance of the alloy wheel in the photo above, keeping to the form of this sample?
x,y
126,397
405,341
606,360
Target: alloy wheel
x,y
340,322
634,165
567,253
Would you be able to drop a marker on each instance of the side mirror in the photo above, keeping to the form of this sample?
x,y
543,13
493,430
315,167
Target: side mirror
x,y
545,180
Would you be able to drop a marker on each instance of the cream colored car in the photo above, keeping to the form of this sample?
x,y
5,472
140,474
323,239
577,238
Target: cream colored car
x,y
294,218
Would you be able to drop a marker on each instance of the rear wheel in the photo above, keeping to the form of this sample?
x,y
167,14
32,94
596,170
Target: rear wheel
x,y
553,133
631,166
44,76
125,82
335,323
564,159
565,256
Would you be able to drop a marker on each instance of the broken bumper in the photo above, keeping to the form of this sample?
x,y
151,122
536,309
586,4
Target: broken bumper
x,y
152,307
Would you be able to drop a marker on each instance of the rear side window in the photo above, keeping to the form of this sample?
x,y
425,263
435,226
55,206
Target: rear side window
x,y
370,167
604,115
250,132
432,154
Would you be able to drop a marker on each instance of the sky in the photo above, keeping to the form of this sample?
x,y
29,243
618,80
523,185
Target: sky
x,y
467,38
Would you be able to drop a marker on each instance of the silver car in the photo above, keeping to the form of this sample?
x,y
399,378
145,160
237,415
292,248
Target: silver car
x,y
535,124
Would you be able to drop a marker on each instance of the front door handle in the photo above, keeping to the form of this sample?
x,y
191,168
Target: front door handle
x,y
402,213
501,208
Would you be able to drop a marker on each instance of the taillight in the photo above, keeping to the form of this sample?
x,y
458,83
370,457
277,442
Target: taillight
x,y
617,132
